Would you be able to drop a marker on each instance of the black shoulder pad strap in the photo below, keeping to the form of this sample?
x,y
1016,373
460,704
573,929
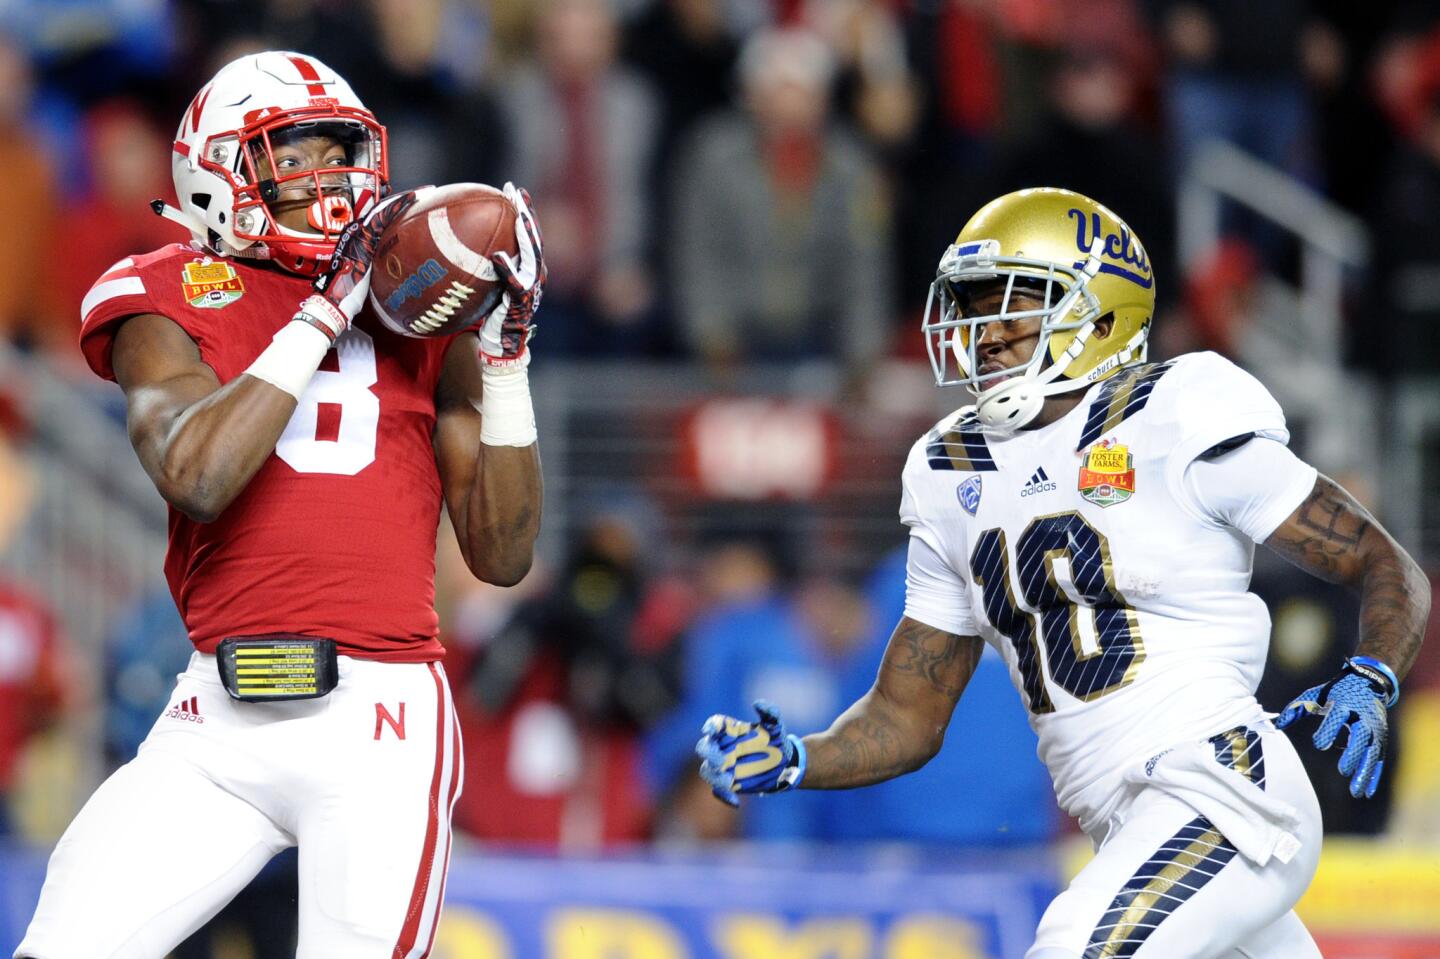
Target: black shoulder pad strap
x,y
1227,446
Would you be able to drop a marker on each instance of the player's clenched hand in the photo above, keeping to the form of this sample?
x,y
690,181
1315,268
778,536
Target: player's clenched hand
x,y
741,757
341,290
1356,700
506,331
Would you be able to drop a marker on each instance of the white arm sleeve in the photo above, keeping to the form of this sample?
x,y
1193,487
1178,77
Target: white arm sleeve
x,y
934,594
1252,488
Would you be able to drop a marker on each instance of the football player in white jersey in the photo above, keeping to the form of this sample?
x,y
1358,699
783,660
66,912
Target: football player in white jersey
x,y
1093,516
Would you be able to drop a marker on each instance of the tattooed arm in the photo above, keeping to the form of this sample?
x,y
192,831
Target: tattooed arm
x,y
897,726
1333,537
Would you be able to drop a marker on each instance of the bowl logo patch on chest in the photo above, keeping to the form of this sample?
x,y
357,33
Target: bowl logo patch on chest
x,y
1107,475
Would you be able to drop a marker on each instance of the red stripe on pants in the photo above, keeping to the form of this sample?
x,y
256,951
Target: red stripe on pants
x,y
410,932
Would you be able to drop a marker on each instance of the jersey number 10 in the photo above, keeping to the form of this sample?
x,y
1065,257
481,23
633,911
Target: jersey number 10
x,y
1087,635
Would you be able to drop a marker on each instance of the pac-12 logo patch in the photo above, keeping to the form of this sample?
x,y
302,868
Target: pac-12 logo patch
x,y
968,493
1107,476
210,285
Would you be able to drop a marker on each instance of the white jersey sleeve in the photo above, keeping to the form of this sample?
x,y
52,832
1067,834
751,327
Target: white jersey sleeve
x,y
1205,401
935,594
1252,488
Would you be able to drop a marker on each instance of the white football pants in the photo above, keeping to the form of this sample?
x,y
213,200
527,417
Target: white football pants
x,y
1167,884
362,780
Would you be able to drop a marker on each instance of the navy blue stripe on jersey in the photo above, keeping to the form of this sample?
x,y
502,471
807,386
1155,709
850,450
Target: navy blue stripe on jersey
x,y
961,448
1122,396
1181,867
1239,749
989,563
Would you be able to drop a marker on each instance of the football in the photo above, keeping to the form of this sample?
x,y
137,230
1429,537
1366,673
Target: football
x,y
432,273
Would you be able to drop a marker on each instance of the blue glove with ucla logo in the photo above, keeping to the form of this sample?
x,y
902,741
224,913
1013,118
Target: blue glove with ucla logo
x,y
1357,701
741,757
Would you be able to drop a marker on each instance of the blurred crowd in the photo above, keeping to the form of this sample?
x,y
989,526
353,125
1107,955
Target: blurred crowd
x,y
732,180
728,181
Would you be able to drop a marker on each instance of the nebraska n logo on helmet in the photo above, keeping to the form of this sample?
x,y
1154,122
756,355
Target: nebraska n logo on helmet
x,y
1087,265
224,167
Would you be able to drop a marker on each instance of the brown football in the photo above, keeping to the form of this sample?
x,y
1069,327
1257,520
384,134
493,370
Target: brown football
x,y
432,274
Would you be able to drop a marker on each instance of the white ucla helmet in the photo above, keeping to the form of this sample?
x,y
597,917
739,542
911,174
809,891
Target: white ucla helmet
x,y
225,171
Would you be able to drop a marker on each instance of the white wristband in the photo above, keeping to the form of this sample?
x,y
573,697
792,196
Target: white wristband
x,y
507,417
292,357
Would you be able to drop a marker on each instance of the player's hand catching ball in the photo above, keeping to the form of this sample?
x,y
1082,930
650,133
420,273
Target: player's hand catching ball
x,y
341,290
741,757
506,331
1355,701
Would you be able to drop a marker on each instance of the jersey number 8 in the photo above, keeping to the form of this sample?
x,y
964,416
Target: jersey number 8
x,y
1087,635
340,405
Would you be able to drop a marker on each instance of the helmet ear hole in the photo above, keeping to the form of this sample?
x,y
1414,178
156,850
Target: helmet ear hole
x,y
202,200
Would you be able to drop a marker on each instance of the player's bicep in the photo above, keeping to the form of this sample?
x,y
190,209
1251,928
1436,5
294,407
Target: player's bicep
x,y
925,670
160,369
1327,534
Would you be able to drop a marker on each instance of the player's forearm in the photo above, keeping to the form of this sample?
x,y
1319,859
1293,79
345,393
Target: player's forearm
x,y
870,743
215,447
899,725
502,516
1394,607
1333,537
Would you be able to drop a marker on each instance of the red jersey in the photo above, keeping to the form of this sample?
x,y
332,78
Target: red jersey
x,y
335,535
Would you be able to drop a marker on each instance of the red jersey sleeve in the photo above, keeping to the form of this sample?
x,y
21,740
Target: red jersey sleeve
x,y
121,292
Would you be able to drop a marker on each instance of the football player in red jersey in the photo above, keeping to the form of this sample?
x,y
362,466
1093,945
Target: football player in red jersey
x,y
305,451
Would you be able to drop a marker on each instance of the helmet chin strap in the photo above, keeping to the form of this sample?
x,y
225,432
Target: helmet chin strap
x,y
1014,403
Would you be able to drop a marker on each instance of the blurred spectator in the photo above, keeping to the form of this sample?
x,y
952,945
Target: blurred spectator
x,y
780,231
876,89
1234,75
686,49
1406,71
425,85
27,206
1220,302
555,704
1107,154
32,672
129,165
584,129
1407,256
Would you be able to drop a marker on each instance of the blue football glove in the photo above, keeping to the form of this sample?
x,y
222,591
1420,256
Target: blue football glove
x,y
741,757
1357,701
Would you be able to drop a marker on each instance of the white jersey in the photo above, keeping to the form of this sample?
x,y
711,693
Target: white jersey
x,y
1121,606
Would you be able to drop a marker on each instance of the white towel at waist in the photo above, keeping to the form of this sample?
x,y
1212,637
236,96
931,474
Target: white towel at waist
x,y
1257,824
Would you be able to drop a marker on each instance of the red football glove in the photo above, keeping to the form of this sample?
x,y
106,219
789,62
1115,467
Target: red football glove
x,y
341,290
506,331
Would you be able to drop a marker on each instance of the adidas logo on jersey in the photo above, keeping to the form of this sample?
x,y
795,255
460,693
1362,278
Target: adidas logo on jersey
x,y
1039,483
187,710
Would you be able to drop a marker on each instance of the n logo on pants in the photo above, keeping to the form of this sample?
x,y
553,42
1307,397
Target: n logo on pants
x,y
383,718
